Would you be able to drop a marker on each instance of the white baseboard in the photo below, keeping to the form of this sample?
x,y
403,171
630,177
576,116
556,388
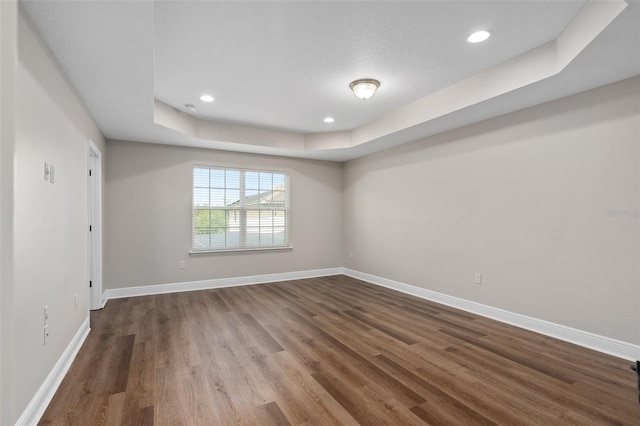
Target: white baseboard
x,y
589,340
42,398
583,338
118,293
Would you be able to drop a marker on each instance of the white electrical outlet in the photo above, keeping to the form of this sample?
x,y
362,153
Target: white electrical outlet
x,y
181,264
477,278
52,173
46,172
350,253
75,301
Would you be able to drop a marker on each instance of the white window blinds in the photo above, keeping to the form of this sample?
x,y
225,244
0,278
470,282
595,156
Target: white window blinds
x,y
236,209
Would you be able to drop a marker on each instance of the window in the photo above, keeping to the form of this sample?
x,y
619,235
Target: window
x,y
235,209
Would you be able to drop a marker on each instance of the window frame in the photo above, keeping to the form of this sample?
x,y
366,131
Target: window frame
x,y
242,209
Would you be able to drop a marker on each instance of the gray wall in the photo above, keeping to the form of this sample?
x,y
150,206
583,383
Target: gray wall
x,y
8,55
148,216
521,198
528,199
46,246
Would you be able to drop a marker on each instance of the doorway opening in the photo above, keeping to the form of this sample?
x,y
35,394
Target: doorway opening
x,y
94,199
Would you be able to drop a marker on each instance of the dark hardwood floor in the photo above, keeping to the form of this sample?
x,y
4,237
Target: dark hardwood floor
x,y
330,350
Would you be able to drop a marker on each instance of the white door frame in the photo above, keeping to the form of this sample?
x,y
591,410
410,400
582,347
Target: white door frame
x,y
94,204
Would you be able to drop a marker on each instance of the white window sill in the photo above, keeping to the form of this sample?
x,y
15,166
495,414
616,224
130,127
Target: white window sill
x,y
235,250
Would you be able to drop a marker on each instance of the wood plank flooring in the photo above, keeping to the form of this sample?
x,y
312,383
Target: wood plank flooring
x,y
329,351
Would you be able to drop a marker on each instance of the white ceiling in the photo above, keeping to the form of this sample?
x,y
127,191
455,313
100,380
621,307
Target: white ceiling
x,y
278,68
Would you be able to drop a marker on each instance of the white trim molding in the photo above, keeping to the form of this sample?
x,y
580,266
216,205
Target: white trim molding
x,y
579,337
94,217
586,339
118,293
43,397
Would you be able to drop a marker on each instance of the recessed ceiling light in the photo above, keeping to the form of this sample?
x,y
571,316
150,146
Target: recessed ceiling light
x,y
207,98
479,36
190,107
329,120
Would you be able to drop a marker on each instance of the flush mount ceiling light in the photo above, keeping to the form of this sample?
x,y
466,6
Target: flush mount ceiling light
x,y
365,87
329,120
207,98
478,36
